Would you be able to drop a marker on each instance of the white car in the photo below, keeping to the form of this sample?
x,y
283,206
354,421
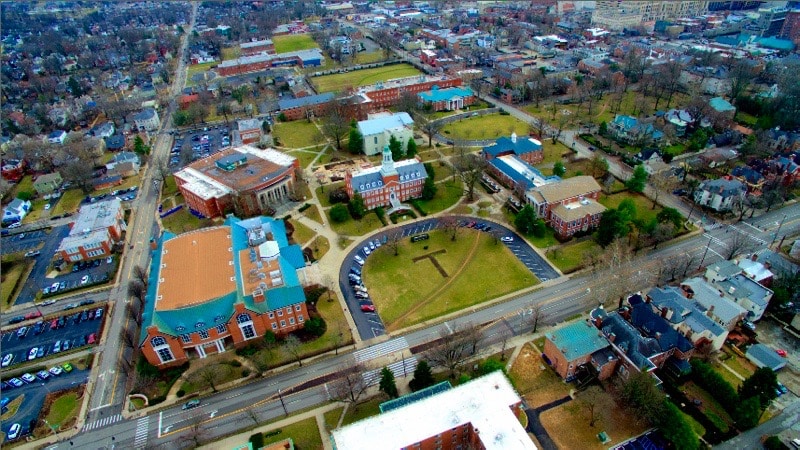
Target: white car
x,y
55,371
13,432
7,360
28,378
32,354
84,279
47,206
359,260
507,239
367,251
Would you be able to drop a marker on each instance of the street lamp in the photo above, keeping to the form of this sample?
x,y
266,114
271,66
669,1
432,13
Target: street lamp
x,y
280,396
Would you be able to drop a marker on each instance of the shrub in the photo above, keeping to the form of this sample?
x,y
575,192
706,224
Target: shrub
x,y
339,213
315,326
304,207
245,373
416,204
257,440
235,363
282,118
338,195
180,393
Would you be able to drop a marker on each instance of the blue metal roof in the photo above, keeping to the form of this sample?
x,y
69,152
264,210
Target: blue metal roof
x,y
763,356
436,94
577,340
289,103
373,179
721,105
518,177
520,147
381,124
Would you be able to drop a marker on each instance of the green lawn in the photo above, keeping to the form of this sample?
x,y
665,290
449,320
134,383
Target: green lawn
x,y
332,418
352,227
306,157
195,69
70,201
12,272
322,193
293,42
448,194
313,214
297,134
570,257
25,185
170,188
363,410
340,81
548,240
491,126
63,409
230,53
302,233
644,205
37,210
183,221
407,292
368,57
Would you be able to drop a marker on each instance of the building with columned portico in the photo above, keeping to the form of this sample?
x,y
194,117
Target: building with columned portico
x,y
390,184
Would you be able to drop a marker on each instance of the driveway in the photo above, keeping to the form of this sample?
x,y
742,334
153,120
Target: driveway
x,y
36,279
535,425
369,324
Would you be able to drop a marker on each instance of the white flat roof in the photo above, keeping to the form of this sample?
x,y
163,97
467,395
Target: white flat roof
x,y
268,154
484,403
201,185
519,166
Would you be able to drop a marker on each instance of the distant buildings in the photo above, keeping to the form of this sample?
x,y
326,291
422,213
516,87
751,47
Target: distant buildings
x,y
385,94
616,15
262,61
481,413
379,128
720,194
305,107
387,185
147,120
221,287
95,231
255,47
245,180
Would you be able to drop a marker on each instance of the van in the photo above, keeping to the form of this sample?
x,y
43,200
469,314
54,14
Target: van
x,y
420,237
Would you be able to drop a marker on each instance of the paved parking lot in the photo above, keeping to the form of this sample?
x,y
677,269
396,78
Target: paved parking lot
x,y
97,272
190,146
35,394
71,331
23,242
37,277
369,324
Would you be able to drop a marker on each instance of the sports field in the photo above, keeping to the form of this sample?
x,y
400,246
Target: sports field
x,y
293,42
341,81
438,276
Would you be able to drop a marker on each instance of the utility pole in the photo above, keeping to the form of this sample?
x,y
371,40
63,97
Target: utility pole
x,y
280,396
775,236
710,238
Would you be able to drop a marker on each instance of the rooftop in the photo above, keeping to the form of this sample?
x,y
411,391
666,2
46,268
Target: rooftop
x,y
483,403
763,356
521,172
256,43
304,55
577,339
436,94
707,296
514,144
568,188
310,100
371,178
577,210
401,82
97,216
382,124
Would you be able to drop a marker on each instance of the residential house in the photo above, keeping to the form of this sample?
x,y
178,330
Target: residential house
x,y
720,194
249,131
680,119
448,99
16,210
305,107
592,66
569,348
124,157
728,278
48,183
569,206
103,130
94,232
481,413
651,159
221,287
717,157
719,308
687,317
722,106
57,137
629,129
106,181
147,119
388,185
764,356
527,149
244,179
115,143
752,178
186,100
126,169
756,271
379,128
13,169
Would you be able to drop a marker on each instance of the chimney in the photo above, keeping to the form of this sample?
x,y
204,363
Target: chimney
x,y
612,337
664,313
658,335
754,257
731,290
767,265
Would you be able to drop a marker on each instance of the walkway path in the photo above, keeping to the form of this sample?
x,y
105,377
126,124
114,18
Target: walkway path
x,y
535,425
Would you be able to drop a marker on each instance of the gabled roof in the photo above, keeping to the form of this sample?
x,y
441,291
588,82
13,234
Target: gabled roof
x,y
568,188
659,329
707,296
577,339
628,339
311,100
763,356
721,105
722,187
740,286
750,175
436,94
371,178
521,172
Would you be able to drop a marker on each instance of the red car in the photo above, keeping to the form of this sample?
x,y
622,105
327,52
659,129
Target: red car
x,y
91,339
368,308
781,352
33,315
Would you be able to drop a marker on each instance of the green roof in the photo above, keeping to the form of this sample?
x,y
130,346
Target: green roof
x,y
437,95
578,339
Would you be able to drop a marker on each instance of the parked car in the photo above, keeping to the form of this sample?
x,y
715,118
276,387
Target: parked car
x,y
33,315
7,360
56,371
67,367
87,302
367,308
16,382
40,352
32,253
57,347
43,375
84,279
32,353
28,378
359,260
91,339
16,319
22,332
507,239
14,431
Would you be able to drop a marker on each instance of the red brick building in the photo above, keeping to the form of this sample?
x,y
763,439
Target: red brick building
x,y
221,287
254,47
97,227
571,346
245,180
262,61
388,185
249,131
568,206
385,94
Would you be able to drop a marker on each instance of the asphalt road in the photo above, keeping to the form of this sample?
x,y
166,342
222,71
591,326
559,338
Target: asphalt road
x,y
369,324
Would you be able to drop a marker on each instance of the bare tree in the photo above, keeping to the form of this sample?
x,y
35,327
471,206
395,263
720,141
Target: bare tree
x,y
455,347
536,314
538,126
161,167
198,433
737,244
261,360
469,167
139,274
211,375
428,124
336,121
143,383
661,182
137,290
393,242
590,399
449,225
293,346
351,386
252,414
598,166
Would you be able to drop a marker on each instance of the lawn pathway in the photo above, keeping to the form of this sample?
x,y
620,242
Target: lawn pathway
x,y
444,286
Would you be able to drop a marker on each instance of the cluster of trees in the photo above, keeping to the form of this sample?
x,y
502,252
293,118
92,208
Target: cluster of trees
x,y
624,221
748,404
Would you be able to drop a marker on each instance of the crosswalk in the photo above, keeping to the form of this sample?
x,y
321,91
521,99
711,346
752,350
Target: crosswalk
x,y
140,439
102,422
398,368
382,349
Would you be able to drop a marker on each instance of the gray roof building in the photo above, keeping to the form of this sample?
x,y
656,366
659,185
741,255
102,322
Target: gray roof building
x,y
763,356
726,312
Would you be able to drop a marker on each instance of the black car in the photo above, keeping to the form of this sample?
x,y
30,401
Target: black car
x,y
16,319
87,302
84,316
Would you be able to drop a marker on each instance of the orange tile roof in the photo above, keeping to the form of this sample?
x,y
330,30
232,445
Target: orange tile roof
x,y
195,267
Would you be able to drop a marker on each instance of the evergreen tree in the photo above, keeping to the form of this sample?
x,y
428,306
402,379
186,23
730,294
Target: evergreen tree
x,y
356,206
423,377
139,147
762,384
74,87
396,147
356,143
339,213
558,169
526,220
411,148
602,129
638,180
387,383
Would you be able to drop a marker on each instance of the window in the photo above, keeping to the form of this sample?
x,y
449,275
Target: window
x,y
271,315
288,310
222,328
203,334
298,308
280,313
248,331
186,338
246,325
274,326
283,323
165,354
300,318
158,341
242,318
291,320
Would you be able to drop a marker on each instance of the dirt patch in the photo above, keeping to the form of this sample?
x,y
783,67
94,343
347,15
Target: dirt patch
x,y
568,424
534,379
432,256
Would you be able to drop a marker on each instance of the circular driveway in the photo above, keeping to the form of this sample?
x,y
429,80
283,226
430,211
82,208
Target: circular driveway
x,y
369,324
